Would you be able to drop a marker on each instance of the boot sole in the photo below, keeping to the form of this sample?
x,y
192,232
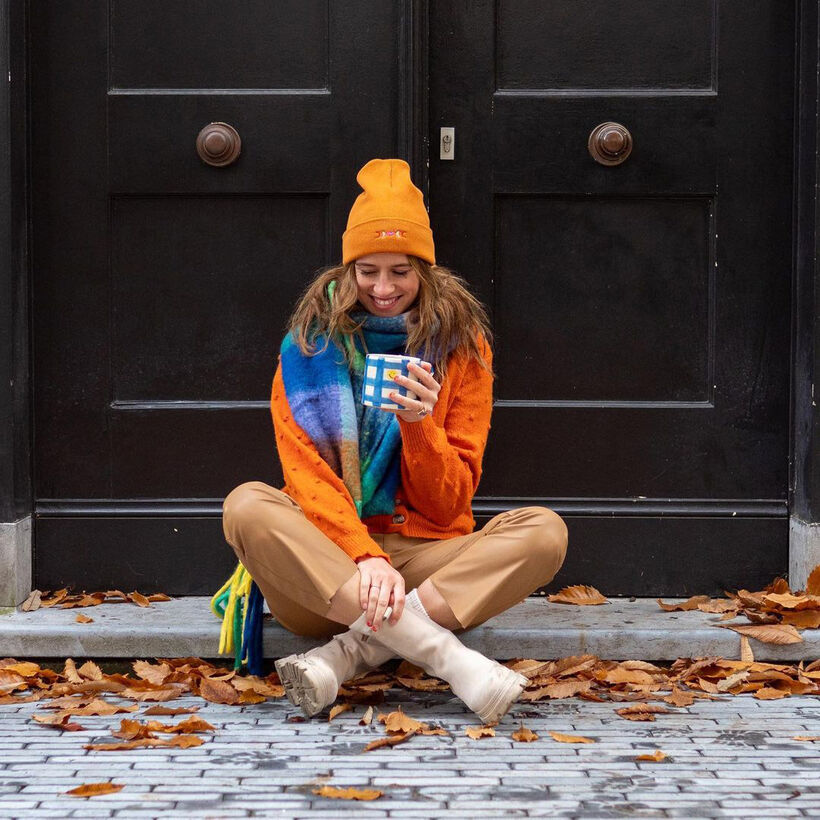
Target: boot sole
x,y
305,685
500,704
284,668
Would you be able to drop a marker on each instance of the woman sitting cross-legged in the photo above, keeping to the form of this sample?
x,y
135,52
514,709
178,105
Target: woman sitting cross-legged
x,y
371,540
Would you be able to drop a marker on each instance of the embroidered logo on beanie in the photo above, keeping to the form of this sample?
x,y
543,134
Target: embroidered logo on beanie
x,y
396,233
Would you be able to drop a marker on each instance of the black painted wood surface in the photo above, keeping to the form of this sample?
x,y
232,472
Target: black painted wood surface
x,y
642,311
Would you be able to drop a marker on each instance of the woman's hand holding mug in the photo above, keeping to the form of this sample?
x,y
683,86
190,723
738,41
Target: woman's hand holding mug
x,y
417,391
426,389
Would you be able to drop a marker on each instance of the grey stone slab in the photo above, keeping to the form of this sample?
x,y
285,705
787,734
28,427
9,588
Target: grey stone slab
x,y
15,559
621,630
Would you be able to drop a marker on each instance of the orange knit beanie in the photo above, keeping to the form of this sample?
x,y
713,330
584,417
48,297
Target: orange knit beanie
x,y
389,215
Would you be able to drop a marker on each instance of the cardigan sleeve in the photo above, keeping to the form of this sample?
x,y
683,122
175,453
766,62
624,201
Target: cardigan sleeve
x,y
313,485
441,465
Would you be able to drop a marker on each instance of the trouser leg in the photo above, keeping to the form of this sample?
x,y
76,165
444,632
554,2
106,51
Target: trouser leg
x,y
485,573
297,567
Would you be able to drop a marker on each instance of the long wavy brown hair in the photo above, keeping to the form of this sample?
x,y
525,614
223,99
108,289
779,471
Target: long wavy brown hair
x,y
445,315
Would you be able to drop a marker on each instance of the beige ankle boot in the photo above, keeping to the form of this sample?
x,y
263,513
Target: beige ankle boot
x,y
485,686
312,679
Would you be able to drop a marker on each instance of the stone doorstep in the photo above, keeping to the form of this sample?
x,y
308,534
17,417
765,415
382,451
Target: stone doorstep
x,y
535,628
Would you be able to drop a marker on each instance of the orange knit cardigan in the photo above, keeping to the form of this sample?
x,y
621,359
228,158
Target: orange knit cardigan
x,y
440,465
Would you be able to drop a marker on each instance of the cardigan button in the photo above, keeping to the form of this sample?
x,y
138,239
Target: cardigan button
x,y
398,519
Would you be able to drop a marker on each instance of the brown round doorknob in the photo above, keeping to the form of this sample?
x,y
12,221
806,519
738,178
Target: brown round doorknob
x,y
218,144
610,143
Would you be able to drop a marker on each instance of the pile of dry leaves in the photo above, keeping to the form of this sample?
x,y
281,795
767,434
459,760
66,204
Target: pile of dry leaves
x,y
75,692
62,599
776,615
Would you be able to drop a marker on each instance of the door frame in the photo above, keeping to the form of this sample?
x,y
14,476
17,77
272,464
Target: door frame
x,y
804,432
16,451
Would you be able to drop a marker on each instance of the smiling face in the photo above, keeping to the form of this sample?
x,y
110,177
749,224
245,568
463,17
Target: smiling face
x,y
388,284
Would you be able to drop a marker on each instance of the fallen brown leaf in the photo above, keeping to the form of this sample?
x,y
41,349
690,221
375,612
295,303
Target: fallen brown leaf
x,y
562,738
259,686
131,729
813,582
641,711
476,732
531,668
218,691
58,722
621,675
768,693
70,672
398,721
98,706
162,695
154,673
680,698
75,601
338,709
789,601
93,789
720,606
249,696
25,669
655,757
804,619
190,724
90,671
350,793
83,619
50,600
580,595
685,606
181,741
389,740
167,710
524,735
424,684
32,602
778,585
556,691
775,633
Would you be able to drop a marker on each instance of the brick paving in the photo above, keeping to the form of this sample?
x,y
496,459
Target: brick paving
x,y
729,758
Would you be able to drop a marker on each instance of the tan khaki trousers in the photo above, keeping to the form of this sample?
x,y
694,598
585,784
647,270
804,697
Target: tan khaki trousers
x,y
299,569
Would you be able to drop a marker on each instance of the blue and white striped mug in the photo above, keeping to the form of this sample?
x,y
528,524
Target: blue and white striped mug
x,y
379,370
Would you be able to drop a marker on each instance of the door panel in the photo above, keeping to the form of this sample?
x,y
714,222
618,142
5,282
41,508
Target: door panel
x,y
641,310
163,284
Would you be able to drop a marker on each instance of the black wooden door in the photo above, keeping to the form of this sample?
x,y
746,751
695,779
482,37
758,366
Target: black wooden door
x,y
641,310
162,284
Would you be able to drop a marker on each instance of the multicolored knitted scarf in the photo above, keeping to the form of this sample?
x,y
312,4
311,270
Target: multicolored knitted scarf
x,y
362,445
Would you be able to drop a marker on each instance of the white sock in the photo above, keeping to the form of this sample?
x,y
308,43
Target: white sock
x,y
412,599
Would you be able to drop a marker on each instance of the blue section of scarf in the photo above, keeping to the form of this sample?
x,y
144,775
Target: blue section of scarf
x,y
362,444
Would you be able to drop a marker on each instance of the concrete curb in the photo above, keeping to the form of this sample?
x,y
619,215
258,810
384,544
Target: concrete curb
x,y
535,628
